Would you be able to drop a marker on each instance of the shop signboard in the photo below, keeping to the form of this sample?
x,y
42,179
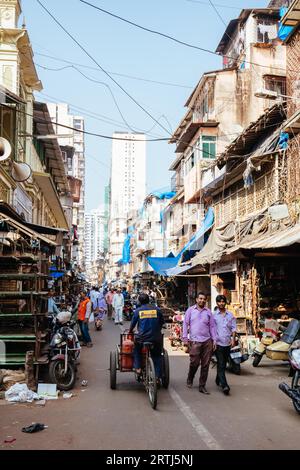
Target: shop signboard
x,y
223,267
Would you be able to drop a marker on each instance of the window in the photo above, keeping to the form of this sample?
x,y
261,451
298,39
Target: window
x,y
275,83
209,146
266,30
190,163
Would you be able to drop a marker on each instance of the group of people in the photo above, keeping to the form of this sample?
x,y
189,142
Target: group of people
x,y
204,332
93,305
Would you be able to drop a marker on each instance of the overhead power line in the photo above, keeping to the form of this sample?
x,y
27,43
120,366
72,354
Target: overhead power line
x,y
178,41
132,77
216,4
100,66
111,93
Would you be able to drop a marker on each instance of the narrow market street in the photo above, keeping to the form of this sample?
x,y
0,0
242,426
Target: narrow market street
x,y
97,417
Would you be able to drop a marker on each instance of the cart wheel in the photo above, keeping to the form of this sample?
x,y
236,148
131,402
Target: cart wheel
x,y
151,385
165,369
295,386
113,370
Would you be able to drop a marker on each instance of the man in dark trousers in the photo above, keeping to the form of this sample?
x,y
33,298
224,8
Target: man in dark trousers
x,y
149,321
199,333
226,331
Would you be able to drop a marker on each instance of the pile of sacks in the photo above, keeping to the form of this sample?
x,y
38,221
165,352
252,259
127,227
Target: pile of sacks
x,y
8,378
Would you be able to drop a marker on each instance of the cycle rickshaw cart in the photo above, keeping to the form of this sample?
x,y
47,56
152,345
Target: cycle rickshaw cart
x,y
122,360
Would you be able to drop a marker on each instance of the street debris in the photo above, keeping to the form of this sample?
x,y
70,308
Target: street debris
x,y
34,427
47,391
41,402
20,393
10,440
67,395
84,383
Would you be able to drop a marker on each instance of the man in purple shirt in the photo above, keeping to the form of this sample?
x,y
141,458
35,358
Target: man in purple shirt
x,y
199,332
226,331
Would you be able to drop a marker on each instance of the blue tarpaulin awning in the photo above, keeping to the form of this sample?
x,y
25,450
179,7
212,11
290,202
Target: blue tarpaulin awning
x,y
162,265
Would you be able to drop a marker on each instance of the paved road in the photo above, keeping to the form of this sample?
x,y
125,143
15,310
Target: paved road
x,y
256,415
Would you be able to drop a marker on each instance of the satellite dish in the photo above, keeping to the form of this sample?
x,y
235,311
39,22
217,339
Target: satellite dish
x,y
5,149
20,172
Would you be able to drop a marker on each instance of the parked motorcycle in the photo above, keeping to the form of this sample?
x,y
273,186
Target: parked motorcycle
x,y
293,392
128,310
277,350
64,352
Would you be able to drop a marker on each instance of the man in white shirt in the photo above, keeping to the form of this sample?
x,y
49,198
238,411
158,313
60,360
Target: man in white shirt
x,y
118,304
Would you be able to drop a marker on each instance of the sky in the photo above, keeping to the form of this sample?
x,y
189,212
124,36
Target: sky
x,y
123,51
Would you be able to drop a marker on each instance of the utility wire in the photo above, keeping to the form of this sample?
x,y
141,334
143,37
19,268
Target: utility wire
x,y
114,73
100,66
111,93
183,43
216,4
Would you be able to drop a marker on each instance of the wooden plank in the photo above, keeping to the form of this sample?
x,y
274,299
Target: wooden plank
x,y
22,277
20,295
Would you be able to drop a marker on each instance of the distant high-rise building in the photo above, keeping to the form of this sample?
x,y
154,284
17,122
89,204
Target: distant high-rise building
x,y
106,214
73,136
128,188
94,233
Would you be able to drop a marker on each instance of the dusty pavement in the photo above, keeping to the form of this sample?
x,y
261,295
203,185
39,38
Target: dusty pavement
x,y
99,418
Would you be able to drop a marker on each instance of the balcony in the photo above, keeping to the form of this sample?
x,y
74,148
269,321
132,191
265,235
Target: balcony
x,y
177,183
192,122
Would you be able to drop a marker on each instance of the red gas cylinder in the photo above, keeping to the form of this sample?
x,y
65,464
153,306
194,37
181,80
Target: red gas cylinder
x,y
127,350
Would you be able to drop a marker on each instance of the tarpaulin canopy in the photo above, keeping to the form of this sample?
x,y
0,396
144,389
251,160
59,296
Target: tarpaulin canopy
x,y
284,31
162,265
126,256
163,195
178,270
57,274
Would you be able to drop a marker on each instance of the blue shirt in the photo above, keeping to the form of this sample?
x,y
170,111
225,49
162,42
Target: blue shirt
x,y
225,326
149,321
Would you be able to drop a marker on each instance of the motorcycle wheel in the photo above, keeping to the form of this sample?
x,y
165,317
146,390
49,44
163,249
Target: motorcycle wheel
x,y
56,373
165,369
296,385
256,360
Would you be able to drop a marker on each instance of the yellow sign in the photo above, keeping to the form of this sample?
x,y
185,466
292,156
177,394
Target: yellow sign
x,y
147,314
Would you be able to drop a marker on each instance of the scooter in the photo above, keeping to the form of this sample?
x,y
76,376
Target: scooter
x,y
293,392
237,357
277,350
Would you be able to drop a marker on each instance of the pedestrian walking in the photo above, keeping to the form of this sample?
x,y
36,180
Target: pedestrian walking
x,y
225,339
109,298
84,313
199,333
118,305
